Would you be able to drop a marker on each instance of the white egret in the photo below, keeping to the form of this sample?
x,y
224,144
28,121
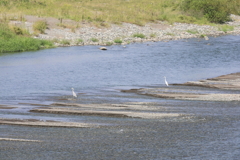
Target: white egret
x,y
166,81
74,94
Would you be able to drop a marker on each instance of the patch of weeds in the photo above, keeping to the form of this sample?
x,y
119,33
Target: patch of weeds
x,y
55,40
139,35
101,24
170,34
153,35
94,39
62,25
192,31
225,28
163,17
79,41
65,42
202,35
109,43
118,40
19,30
139,22
40,26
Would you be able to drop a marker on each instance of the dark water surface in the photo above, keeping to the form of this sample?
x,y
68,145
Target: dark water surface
x,y
211,132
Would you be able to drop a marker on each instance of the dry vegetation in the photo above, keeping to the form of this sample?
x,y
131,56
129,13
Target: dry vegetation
x,y
114,11
117,11
102,13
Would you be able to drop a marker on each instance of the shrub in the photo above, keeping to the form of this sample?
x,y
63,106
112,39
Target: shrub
x,y
17,30
202,35
40,26
215,11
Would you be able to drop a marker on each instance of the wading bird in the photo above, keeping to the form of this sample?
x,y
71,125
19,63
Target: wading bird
x,y
74,94
166,81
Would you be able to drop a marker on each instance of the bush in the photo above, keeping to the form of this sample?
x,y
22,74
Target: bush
x,y
40,26
216,11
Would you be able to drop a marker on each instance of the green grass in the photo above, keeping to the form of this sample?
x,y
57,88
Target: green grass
x,y
192,31
170,34
153,35
103,12
79,41
40,26
139,35
11,42
65,42
109,43
94,39
225,28
118,41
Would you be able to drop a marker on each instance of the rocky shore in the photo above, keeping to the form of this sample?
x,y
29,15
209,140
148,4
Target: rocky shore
x,y
76,33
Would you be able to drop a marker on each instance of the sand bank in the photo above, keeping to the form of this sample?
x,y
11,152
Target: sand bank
x,y
219,85
38,123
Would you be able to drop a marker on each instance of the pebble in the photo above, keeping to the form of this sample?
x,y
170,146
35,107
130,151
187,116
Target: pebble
x,y
124,32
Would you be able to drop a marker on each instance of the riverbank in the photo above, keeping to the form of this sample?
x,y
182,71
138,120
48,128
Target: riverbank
x,y
87,34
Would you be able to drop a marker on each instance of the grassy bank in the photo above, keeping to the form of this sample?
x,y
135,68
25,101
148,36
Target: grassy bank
x,y
14,41
118,11
104,12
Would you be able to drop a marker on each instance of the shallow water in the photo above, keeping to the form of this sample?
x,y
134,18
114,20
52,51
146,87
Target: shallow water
x,y
47,76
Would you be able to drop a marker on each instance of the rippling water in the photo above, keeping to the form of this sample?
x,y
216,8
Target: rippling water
x,y
57,70
44,76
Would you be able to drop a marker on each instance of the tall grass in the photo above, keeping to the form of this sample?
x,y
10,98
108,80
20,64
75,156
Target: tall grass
x,y
102,12
10,42
112,11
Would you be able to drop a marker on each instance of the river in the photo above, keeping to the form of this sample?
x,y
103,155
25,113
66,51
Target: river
x,y
47,76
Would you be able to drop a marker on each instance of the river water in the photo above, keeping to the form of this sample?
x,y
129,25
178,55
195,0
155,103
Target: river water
x,y
46,76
